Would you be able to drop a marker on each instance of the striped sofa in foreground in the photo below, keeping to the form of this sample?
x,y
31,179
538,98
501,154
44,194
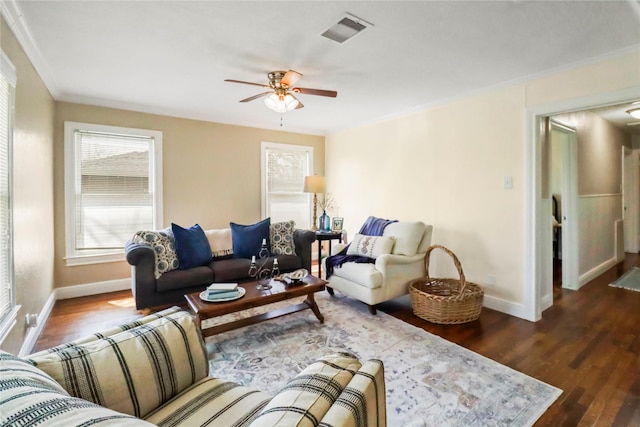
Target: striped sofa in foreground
x,y
154,371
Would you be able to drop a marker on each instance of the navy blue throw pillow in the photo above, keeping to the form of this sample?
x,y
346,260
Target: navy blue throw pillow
x,y
192,246
247,239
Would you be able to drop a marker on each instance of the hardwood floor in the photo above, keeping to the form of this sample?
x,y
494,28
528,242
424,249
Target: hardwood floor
x,y
587,344
74,318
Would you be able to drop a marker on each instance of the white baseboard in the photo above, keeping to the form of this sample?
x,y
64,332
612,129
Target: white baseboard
x,y
92,288
34,333
546,302
596,271
504,306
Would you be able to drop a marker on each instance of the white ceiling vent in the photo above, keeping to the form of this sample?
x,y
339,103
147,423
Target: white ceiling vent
x,y
346,28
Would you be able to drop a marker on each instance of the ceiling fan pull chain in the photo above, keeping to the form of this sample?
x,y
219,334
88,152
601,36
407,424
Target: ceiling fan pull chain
x,y
280,119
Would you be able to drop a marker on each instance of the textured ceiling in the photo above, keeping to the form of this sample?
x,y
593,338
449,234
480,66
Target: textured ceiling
x,y
171,57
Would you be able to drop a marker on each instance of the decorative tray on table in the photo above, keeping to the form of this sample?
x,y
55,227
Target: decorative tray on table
x,y
204,296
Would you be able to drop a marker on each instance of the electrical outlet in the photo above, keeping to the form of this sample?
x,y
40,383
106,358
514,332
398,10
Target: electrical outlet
x,y
491,280
31,320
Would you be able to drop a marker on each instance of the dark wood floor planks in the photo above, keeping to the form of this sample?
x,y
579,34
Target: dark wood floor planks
x,y
77,317
587,344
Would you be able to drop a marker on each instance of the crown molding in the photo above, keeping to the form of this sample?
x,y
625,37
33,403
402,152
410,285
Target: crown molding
x,y
16,21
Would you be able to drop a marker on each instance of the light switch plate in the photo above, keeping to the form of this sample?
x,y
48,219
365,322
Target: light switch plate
x,y
508,182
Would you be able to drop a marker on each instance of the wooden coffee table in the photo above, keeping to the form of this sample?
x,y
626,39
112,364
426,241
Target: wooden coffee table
x,y
255,298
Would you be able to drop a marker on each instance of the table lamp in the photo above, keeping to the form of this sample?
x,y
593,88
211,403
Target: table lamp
x,y
315,184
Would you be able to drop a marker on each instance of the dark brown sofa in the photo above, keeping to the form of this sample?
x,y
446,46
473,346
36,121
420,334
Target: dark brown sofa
x,y
171,287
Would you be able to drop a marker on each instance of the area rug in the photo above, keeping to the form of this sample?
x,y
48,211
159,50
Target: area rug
x,y
429,381
629,280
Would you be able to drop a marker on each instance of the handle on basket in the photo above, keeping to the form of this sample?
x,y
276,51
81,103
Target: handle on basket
x,y
456,262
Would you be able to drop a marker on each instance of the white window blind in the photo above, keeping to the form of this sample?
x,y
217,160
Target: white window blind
x,y
284,169
7,300
114,191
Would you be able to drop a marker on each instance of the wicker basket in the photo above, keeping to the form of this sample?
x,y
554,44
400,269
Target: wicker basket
x,y
445,301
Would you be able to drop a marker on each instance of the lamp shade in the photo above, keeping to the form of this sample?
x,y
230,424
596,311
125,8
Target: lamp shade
x,y
315,184
281,103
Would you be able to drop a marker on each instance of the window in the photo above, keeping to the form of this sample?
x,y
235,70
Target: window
x,y
283,170
8,308
113,189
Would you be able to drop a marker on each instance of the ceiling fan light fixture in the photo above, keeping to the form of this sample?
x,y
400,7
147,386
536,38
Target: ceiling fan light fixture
x,y
280,103
634,112
279,97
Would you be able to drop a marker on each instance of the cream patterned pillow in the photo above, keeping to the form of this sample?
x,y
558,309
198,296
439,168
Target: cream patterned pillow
x,y
164,247
281,237
370,246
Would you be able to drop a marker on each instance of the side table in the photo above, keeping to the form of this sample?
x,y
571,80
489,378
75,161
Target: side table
x,y
328,236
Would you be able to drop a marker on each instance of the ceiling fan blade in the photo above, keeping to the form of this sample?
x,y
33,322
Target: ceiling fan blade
x,y
260,95
290,78
246,83
319,92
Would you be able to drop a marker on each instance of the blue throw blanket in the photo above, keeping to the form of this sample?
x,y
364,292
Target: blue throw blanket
x,y
372,227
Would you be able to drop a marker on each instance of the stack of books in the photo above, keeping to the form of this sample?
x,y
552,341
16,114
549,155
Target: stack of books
x,y
222,291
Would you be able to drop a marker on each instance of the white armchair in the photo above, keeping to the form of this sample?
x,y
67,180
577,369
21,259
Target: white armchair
x,y
391,273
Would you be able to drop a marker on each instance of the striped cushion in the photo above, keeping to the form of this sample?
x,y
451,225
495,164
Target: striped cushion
x,y
305,400
133,371
362,402
29,397
212,402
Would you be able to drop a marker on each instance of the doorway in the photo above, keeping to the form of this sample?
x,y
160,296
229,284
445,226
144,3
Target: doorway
x,y
538,250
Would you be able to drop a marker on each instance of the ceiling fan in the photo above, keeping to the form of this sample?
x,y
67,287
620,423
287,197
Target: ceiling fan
x,y
280,96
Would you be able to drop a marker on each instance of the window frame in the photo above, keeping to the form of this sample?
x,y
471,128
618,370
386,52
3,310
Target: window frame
x,y
72,257
9,319
263,173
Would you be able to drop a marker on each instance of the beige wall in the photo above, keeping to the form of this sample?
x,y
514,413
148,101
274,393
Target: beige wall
x,y
211,175
445,166
32,188
599,153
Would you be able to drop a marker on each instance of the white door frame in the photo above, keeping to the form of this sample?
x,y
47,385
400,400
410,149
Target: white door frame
x,y
630,200
570,212
536,227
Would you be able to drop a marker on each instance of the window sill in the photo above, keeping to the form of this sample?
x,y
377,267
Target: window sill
x,y
73,261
